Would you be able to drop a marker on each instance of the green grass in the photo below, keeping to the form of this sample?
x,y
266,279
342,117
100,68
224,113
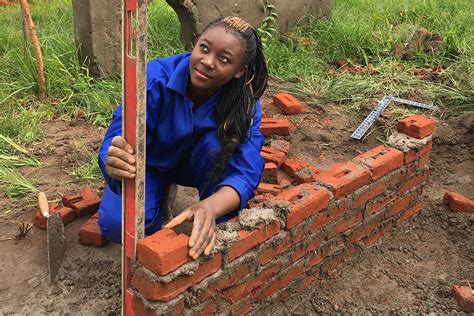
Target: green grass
x,y
361,31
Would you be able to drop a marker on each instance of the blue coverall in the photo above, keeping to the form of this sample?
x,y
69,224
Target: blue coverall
x,y
181,146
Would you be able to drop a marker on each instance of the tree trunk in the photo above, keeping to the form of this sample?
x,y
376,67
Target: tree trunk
x,y
34,40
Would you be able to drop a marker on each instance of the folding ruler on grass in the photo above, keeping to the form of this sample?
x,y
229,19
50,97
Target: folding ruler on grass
x,y
369,120
134,46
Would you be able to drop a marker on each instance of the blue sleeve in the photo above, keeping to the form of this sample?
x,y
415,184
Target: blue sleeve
x,y
115,129
245,168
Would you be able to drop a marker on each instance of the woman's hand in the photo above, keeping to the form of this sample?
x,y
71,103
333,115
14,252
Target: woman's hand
x,y
203,236
120,160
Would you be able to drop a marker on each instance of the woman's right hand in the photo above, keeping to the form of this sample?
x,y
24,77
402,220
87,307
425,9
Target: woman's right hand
x,y
120,160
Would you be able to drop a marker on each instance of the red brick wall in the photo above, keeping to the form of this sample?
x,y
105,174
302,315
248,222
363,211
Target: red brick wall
x,y
296,238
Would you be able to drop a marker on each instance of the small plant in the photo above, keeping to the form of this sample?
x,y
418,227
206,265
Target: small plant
x,y
267,30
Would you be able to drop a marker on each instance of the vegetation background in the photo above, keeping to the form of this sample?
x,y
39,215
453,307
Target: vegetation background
x,y
361,33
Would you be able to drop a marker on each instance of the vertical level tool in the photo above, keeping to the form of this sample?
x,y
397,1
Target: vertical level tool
x,y
134,45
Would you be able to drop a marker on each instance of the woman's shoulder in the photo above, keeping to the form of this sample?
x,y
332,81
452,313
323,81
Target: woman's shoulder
x,y
163,68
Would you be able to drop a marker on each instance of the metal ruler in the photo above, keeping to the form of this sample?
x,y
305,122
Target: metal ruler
x,y
134,46
370,119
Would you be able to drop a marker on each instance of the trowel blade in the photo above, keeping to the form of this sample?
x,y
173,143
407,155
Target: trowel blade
x,y
56,242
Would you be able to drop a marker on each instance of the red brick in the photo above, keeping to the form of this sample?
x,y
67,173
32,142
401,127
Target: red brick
x,y
275,126
157,291
226,280
250,238
90,234
288,103
413,154
272,252
409,213
269,174
283,179
240,291
313,244
320,221
140,309
164,251
280,145
395,178
375,207
458,202
209,309
280,283
339,209
377,235
315,259
241,308
67,215
417,126
272,155
85,203
464,296
344,224
299,169
298,234
399,206
381,160
274,189
370,193
414,181
306,199
344,178
365,230
307,281
424,160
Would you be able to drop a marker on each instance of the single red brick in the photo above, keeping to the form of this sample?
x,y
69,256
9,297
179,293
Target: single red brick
x,y
376,206
273,251
399,206
371,192
90,234
458,202
424,160
140,309
67,215
340,207
306,199
413,154
240,291
158,291
464,296
316,241
164,251
272,155
299,169
410,183
275,126
288,103
280,145
344,224
320,221
280,283
344,178
417,126
274,189
251,238
283,179
381,160
298,233
395,178
85,203
269,174
227,280
409,213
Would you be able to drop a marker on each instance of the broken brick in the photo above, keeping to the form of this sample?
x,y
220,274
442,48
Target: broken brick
x,y
288,103
464,296
272,155
269,174
268,188
302,171
458,202
417,126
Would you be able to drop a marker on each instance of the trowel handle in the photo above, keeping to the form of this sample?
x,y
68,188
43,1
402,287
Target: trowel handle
x,y
43,204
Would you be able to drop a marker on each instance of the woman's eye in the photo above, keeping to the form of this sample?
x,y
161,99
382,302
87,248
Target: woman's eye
x,y
203,47
224,59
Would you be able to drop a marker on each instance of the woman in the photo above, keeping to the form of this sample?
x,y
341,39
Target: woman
x,y
203,120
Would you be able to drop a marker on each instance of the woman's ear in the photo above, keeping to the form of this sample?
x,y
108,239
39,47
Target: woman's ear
x,y
241,72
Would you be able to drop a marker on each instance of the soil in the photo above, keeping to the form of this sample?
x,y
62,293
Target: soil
x,y
413,270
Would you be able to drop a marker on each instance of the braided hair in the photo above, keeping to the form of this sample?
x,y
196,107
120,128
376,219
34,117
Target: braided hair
x,y
236,104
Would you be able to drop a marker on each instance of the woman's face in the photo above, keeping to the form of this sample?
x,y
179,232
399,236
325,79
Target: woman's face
x,y
217,58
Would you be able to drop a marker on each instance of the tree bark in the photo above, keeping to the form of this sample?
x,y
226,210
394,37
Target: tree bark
x,y
39,56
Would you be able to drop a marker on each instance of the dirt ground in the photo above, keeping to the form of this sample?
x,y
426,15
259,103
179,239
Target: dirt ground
x,y
412,271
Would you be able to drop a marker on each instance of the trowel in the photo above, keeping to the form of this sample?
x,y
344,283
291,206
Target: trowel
x,y
56,238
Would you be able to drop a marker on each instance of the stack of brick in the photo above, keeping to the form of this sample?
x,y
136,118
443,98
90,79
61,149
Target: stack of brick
x,y
301,236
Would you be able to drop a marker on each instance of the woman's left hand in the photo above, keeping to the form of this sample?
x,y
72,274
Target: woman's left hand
x,y
203,236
